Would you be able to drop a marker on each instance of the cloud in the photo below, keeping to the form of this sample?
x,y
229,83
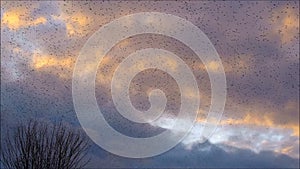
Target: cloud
x,y
19,18
62,67
263,120
40,61
285,22
211,66
76,24
205,155
41,41
251,132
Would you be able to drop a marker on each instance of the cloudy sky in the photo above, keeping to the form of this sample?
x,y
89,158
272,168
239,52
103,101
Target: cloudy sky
x,y
258,43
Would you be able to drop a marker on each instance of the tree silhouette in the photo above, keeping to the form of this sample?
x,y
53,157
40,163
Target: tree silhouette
x,y
40,145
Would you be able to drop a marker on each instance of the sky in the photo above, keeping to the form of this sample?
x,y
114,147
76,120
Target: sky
x,y
257,41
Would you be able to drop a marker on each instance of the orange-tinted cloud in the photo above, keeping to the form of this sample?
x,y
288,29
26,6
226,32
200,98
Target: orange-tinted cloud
x,y
49,61
250,119
60,66
76,24
18,18
236,67
285,24
211,66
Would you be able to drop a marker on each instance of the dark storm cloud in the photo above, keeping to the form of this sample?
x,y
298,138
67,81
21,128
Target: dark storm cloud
x,y
42,96
204,155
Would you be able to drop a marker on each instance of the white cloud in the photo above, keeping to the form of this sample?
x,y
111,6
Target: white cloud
x,y
255,138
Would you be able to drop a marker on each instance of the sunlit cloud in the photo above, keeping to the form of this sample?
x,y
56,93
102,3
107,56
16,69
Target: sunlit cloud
x,y
44,61
11,19
257,130
76,24
262,121
59,66
18,18
40,20
237,133
286,24
271,128
172,64
213,66
241,65
260,118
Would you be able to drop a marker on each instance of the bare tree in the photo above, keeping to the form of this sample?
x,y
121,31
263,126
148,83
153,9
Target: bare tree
x,y
40,145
